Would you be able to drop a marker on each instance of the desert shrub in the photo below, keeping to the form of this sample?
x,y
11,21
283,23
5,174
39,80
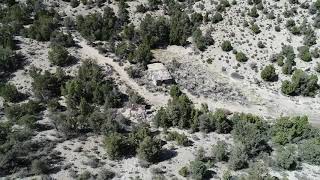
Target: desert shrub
x,y
196,19
125,50
16,111
141,8
206,123
91,84
97,26
198,169
304,54
181,139
155,31
317,68
123,13
226,46
58,55
59,38
47,85
287,67
309,151
8,61
288,53
290,130
161,119
69,23
28,121
9,92
184,171
315,53
199,40
253,12
252,132
138,134
105,174
43,26
286,157
241,57
129,32
316,21
301,84
310,37
221,122
115,144
261,45
180,28
149,149
134,72
143,54
217,17
280,60
219,151
74,3
39,166
238,157
227,175
106,122
179,111
255,28
86,175
258,171
6,38
269,73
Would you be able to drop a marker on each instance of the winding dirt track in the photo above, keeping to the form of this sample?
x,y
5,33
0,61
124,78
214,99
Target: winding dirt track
x,y
160,99
152,98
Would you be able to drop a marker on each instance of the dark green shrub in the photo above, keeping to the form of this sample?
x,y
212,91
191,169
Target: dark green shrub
x,y
253,12
74,3
238,157
217,17
58,55
309,151
16,111
252,132
46,85
269,73
219,151
115,145
199,40
59,38
98,26
304,54
290,130
8,61
184,171
301,84
241,57
255,28
42,27
221,122
286,158
143,54
9,92
105,174
149,149
198,170
181,139
39,167
180,28
226,46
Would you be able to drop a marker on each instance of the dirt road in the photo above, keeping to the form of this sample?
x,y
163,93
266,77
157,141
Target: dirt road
x,y
160,99
155,99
